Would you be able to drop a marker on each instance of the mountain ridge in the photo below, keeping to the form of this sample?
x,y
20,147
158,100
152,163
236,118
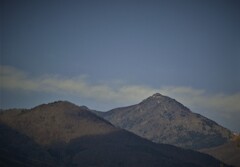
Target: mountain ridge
x,y
91,141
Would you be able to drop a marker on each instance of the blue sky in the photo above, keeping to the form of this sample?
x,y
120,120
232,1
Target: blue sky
x,y
106,54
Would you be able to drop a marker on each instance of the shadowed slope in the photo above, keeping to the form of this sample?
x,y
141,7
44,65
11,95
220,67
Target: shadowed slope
x,y
228,153
18,150
130,150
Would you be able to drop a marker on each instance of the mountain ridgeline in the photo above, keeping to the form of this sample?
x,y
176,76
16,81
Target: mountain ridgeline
x,y
164,120
63,134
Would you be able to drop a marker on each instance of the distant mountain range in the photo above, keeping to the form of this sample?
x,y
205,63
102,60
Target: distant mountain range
x,y
63,134
164,120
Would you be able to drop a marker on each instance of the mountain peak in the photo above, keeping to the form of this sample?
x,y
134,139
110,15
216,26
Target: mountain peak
x,y
155,99
156,95
57,106
162,119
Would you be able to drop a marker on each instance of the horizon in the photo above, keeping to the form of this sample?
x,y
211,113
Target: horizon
x,y
108,54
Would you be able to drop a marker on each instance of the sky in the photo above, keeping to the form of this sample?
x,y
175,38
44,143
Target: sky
x,y
107,54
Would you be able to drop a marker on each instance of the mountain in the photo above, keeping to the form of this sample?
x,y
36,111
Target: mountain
x,y
64,134
54,122
228,153
164,120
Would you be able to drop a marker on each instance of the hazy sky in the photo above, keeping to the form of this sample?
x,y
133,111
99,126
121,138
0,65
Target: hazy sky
x,y
106,54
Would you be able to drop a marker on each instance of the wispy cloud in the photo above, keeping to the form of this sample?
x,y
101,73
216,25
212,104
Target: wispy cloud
x,y
15,79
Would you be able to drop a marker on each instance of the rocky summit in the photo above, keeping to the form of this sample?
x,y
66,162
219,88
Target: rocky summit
x,y
162,119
